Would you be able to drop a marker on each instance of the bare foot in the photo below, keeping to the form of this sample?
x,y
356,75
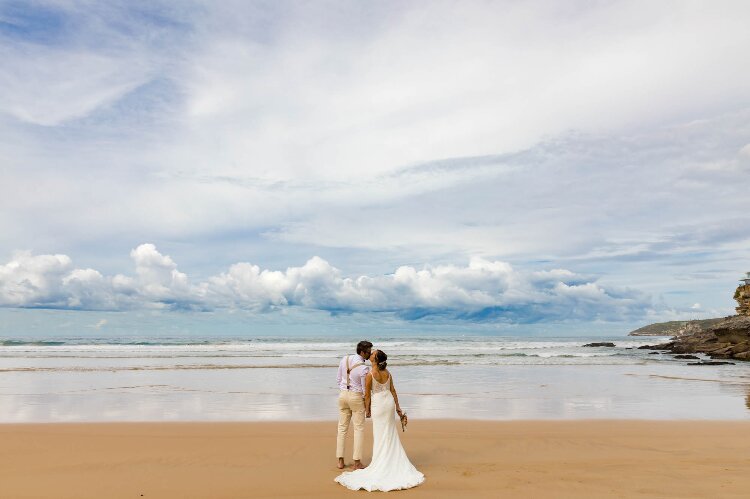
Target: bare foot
x,y
358,466
340,464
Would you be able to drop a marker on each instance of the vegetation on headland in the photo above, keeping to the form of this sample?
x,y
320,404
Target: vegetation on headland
x,y
673,328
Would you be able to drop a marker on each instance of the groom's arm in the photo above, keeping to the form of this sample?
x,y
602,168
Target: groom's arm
x,y
339,374
363,372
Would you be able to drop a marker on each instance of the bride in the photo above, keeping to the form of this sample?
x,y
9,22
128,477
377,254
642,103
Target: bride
x,y
390,469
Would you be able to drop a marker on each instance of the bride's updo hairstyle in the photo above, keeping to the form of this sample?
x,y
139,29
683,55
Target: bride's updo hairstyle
x,y
381,357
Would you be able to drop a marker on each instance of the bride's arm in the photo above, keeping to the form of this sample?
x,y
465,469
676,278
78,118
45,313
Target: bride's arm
x,y
368,391
395,396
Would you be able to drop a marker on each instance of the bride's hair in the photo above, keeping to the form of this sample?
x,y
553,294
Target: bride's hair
x,y
381,357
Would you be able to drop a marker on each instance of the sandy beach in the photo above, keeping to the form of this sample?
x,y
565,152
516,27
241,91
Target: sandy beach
x,y
459,458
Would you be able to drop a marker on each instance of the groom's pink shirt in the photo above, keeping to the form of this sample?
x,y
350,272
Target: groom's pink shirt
x,y
356,376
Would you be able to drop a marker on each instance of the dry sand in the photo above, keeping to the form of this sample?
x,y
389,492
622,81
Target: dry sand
x,y
518,459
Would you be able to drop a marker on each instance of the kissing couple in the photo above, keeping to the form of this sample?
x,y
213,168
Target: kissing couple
x,y
368,391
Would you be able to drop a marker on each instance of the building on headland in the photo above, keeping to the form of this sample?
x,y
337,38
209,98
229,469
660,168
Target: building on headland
x,y
742,295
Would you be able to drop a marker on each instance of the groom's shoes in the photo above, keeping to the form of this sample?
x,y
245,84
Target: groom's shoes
x,y
340,464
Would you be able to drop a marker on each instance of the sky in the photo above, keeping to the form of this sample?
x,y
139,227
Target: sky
x,y
326,166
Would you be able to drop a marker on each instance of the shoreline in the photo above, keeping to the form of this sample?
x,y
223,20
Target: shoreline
x,y
480,458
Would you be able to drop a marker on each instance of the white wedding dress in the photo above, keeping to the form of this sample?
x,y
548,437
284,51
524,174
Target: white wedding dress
x,y
390,469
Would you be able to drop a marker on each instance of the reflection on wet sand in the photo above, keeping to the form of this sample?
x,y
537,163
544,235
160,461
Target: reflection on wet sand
x,y
664,391
498,378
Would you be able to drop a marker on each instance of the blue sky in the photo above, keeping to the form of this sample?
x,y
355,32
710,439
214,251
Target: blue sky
x,y
474,166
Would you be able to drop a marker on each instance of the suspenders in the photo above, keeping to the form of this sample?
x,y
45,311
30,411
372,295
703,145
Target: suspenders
x,y
349,369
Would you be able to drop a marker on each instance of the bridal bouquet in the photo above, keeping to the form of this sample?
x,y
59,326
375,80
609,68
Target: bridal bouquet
x,y
404,421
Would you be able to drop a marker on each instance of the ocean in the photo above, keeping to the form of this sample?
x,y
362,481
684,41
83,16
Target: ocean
x,y
66,379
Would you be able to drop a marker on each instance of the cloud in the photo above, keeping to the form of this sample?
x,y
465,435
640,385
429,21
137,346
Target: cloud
x,y
100,324
67,60
30,281
608,138
404,85
481,291
50,86
577,195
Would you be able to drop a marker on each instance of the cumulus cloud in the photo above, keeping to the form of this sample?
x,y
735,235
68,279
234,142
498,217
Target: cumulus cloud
x,y
480,291
30,281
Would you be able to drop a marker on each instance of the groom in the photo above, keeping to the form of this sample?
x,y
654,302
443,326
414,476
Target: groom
x,y
351,382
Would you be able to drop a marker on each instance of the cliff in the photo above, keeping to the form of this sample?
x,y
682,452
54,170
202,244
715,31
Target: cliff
x,y
742,295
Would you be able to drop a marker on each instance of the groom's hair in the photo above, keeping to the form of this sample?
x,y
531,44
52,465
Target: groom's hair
x,y
363,346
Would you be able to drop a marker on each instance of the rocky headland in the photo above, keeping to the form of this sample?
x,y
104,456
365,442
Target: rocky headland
x,y
722,338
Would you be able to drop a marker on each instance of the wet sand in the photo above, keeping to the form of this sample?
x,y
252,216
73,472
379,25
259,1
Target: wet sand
x,y
602,458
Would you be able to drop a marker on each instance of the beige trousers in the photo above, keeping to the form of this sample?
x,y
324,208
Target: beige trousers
x,y
351,408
